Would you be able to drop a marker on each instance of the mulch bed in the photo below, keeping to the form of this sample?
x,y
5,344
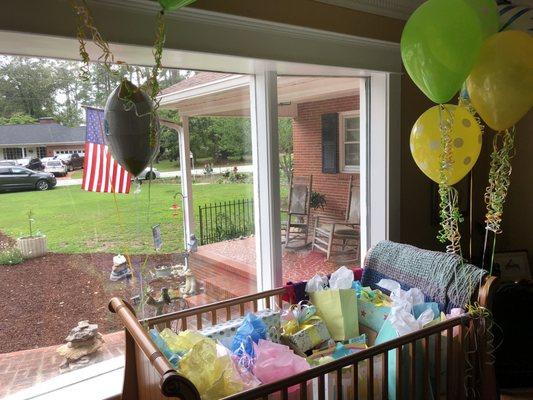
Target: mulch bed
x,y
43,298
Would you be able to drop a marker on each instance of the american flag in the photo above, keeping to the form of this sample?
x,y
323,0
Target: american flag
x,y
101,172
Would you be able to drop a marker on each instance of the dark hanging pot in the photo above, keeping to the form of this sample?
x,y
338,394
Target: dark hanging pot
x,y
129,133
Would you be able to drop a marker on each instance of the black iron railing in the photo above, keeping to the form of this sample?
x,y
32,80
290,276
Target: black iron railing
x,y
226,220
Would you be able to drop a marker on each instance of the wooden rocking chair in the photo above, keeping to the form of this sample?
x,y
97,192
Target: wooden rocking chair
x,y
344,233
297,224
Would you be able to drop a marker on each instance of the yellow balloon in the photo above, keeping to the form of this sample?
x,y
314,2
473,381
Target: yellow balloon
x,y
466,140
500,85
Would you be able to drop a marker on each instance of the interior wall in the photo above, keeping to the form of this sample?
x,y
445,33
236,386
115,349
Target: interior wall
x,y
311,14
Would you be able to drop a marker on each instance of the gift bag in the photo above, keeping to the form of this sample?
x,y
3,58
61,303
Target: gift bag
x,y
338,309
374,307
399,323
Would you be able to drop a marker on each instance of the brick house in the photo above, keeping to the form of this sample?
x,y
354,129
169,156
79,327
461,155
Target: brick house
x,y
325,120
44,139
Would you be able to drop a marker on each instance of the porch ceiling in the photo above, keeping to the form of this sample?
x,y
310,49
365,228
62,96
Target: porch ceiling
x,y
229,96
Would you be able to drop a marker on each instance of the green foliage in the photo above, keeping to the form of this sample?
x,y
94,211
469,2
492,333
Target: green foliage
x,y
11,256
285,135
18,119
286,163
317,201
220,138
52,88
234,176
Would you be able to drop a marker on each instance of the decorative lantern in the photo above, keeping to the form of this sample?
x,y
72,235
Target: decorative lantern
x,y
131,127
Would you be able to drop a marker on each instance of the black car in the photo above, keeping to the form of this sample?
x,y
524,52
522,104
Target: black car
x,y
15,178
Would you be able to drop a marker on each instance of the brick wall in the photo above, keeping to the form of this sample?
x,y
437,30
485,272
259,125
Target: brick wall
x,y
307,142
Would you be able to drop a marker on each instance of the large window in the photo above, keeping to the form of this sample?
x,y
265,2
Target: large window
x,y
349,143
41,152
12,153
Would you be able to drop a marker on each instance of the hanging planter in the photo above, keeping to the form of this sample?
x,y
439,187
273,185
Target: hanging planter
x,y
131,127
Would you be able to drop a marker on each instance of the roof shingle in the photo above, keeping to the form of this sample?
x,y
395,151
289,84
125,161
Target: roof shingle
x,y
40,134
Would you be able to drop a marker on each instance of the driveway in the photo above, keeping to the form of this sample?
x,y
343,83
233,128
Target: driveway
x,y
66,181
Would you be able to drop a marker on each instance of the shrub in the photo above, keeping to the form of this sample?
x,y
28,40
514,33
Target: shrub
x,y
317,200
10,256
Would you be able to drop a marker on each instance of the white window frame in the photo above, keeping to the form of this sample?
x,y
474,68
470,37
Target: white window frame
x,y
342,153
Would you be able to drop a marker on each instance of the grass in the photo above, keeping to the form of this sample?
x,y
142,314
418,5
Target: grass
x,y
76,221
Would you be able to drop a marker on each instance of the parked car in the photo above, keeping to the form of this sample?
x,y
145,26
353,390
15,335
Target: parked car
x,y
72,161
14,178
8,163
31,163
150,174
56,167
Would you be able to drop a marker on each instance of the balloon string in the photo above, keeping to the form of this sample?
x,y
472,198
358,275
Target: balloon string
x,y
503,150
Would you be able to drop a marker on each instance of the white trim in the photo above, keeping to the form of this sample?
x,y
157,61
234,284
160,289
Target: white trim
x,y
186,181
265,150
342,154
400,9
196,39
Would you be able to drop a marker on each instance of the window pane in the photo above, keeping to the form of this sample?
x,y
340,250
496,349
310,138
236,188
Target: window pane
x,y
351,123
351,154
351,135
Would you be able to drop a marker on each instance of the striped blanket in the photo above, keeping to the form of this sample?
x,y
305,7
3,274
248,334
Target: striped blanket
x,y
440,276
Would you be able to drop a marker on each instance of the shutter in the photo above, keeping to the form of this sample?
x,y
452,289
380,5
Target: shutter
x,y
330,143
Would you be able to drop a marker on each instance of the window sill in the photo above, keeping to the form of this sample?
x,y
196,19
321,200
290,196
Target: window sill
x,y
98,381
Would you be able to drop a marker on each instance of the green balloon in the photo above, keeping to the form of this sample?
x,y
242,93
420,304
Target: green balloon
x,y
487,12
169,5
439,45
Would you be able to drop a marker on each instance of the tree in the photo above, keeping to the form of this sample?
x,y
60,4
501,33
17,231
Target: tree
x,y
285,135
18,118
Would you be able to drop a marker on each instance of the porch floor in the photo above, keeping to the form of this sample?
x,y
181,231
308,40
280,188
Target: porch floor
x,y
227,269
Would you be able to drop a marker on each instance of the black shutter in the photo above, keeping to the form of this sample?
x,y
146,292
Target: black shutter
x,y
330,143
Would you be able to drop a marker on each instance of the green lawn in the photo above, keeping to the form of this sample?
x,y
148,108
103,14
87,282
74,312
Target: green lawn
x,y
76,221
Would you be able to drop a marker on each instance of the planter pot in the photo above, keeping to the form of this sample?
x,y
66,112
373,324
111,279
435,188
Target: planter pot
x,y
31,247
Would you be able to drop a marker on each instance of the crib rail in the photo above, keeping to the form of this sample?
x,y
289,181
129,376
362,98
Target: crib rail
x,y
218,312
440,351
456,384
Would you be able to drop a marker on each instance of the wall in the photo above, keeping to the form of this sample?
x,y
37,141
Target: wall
x,y
307,143
316,15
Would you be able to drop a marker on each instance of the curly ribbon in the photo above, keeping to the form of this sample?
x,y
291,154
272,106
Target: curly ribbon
x,y
303,315
503,150
483,324
450,215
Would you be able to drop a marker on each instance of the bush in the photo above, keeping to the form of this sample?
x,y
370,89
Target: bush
x,y
10,257
317,201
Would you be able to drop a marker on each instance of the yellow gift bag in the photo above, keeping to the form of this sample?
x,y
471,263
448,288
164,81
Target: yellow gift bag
x,y
338,309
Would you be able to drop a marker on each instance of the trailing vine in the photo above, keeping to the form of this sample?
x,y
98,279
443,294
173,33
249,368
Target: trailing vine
x,y
449,213
87,28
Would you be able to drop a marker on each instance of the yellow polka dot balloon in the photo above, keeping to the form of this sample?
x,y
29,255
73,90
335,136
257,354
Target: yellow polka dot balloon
x,y
466,140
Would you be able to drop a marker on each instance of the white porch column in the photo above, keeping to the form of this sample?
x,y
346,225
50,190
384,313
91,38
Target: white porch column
x,y
264,122
186,181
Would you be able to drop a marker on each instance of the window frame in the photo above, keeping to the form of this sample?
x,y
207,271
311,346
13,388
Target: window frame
x,y
343,168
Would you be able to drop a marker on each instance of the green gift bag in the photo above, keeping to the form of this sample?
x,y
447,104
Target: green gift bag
x,y
338,309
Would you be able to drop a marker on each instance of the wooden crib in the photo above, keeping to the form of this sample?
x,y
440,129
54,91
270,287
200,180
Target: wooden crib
x,y
148,374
